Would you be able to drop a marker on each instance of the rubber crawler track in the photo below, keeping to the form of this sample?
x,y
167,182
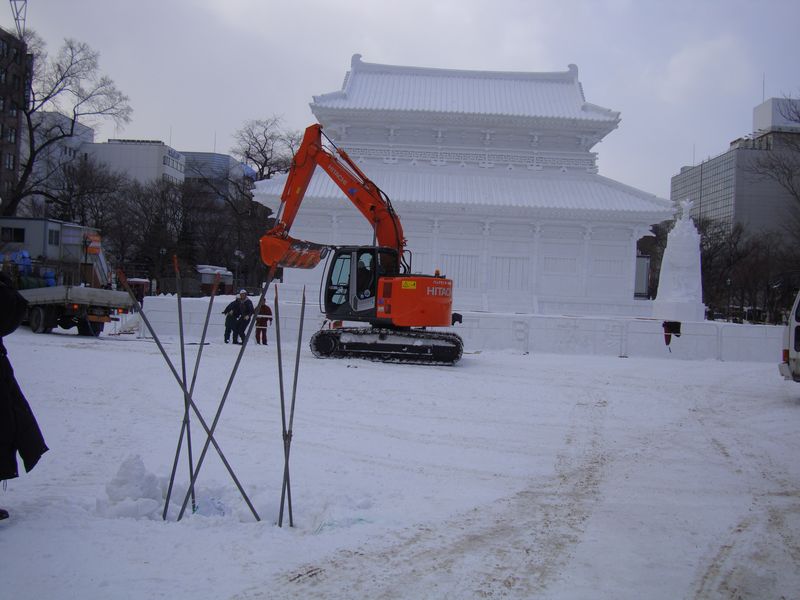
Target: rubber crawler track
x,y
416,347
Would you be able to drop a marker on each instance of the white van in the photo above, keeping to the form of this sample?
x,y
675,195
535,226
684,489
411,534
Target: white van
x,y
790,367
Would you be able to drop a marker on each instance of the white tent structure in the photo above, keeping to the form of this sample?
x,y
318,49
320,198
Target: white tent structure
x,y
494,180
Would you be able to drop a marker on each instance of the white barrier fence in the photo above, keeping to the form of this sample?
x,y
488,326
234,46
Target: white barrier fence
x,y
622,337
609,336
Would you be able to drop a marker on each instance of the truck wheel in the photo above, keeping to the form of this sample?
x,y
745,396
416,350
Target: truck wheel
x,y
65,322
89,328
37,320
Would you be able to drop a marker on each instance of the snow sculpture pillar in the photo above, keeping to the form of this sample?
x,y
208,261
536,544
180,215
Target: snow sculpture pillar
x,y
680,290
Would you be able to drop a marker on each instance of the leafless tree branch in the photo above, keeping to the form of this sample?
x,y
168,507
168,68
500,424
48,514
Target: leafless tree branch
x,y
71,85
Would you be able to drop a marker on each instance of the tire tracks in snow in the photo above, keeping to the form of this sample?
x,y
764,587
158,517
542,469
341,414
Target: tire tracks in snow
x,y
510,549
741,567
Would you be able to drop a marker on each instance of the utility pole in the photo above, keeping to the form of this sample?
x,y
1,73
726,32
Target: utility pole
x,y
19,9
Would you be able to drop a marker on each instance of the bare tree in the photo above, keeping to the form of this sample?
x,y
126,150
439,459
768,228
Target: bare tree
x,y
653,246
722,250
119,237
83,191
71,86
265,146
157,214
229,186
229,223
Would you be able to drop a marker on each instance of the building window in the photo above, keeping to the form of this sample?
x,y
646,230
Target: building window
x,y
168,161
53,237
12,234
9,162
2,77
11,135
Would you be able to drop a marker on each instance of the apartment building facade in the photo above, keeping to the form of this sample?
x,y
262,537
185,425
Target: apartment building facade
x,y
15,73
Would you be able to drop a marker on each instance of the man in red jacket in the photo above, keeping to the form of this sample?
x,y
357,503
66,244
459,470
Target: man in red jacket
x,y
263,320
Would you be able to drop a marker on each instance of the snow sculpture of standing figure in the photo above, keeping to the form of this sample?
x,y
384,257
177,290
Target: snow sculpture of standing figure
x,y
680,290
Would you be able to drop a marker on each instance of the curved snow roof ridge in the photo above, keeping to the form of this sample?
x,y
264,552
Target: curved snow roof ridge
x,y
369,86
568,76
571,192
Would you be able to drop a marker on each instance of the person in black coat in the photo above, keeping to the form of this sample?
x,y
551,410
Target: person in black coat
x,y
246,311
19,431
231,313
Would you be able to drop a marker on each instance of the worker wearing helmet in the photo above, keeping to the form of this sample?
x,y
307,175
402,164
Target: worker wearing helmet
x,y
246,311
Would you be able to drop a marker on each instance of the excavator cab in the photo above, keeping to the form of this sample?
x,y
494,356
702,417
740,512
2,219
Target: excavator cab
x,y
351,288
364,283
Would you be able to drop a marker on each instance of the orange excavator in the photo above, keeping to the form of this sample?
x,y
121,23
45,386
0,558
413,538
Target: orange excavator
x,y
368,284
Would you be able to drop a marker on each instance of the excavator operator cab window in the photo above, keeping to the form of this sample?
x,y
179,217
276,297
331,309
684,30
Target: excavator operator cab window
x,y
365,274
352,283
387,263
339,281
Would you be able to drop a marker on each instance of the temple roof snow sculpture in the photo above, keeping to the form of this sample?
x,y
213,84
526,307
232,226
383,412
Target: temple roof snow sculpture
x,y
550,195
556,95
501,139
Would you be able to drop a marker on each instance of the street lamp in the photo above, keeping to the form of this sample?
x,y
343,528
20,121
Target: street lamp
x,y
160,270
238,256
728,311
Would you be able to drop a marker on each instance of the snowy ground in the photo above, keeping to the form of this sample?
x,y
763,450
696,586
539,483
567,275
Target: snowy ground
x,y
508,476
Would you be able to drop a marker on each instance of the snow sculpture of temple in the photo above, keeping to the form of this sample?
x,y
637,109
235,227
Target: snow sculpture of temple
x,y
495,182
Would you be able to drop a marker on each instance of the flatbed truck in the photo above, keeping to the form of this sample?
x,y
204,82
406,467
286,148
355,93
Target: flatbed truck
x,y
67,306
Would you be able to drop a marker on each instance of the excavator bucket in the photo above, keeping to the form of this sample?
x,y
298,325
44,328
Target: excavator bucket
x,y
291,253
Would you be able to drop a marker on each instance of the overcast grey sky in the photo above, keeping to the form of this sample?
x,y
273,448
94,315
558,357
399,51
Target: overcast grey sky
x,y
685,74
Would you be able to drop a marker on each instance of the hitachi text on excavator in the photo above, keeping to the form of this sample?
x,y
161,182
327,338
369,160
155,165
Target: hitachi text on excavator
x,y
368,284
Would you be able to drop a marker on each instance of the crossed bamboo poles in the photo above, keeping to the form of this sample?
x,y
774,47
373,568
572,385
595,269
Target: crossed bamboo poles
x,y
185,432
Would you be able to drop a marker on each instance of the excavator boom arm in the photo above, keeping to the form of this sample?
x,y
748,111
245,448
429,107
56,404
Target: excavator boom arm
x,y
277,248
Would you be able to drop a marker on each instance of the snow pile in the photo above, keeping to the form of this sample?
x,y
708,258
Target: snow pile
x,y
134,492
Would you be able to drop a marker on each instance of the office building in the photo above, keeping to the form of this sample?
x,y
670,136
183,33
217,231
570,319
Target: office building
x,y
144,161
726,189
220,175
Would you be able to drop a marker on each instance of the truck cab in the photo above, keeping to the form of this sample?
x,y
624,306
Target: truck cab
x,y
790,364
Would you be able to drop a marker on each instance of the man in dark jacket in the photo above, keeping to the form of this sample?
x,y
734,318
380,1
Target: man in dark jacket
x,y
19,431
231,313
246,311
